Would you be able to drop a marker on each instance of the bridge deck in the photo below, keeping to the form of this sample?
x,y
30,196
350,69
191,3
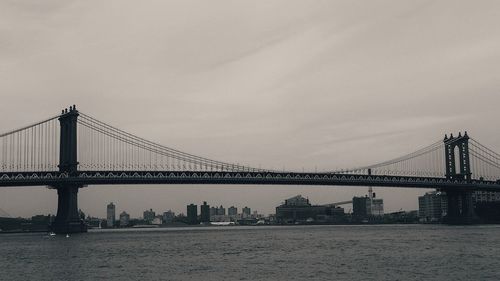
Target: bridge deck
x,y
51,178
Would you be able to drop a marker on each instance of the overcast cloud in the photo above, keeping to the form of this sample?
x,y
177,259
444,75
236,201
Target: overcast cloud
x,y
276,84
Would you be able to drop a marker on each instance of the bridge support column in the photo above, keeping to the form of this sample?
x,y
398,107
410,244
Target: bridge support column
x,y
460,208
468,206
68,219
453,212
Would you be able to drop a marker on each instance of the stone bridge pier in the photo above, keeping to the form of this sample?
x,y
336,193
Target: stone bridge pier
x,y
67,218
460,209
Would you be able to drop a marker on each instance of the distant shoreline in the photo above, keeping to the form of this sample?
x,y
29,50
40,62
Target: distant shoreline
x,y
238,226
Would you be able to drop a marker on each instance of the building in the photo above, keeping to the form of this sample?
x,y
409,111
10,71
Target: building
x,y
432,207
297,201
256,215
205,212
218,214
192,214
487,206
246,212
377,207
232,211
81,214
367,207
221,211
486,196
360,206
213,211
168,217
149,215
124,219
157,220
402,217
111,215
41,219
298,210
94,222
221,218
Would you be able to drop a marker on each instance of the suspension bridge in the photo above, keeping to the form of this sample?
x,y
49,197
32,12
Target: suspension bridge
x,y
72,150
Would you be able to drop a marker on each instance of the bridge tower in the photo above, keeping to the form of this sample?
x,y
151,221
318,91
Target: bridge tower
x,y
458,144
68,219
460,203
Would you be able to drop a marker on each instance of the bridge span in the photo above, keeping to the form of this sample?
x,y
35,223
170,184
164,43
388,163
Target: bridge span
x,y
73,150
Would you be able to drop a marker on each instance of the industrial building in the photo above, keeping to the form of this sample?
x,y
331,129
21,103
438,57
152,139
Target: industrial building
x,y
298,210
367,207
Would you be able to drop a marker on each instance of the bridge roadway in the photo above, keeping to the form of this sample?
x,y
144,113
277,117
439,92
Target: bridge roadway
x,y
84,178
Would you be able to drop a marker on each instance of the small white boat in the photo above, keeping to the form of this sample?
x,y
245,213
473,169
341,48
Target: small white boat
x,y
67,235
52,234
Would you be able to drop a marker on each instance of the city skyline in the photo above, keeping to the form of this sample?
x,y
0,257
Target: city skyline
x,y
249,140
325,86
159,212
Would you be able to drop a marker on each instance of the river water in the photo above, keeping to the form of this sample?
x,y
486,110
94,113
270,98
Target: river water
x,y
376,252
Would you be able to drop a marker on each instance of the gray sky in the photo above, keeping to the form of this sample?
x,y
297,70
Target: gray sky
x,y
277,84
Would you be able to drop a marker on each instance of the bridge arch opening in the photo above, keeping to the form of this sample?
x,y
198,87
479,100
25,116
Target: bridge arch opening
x,y
457,159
